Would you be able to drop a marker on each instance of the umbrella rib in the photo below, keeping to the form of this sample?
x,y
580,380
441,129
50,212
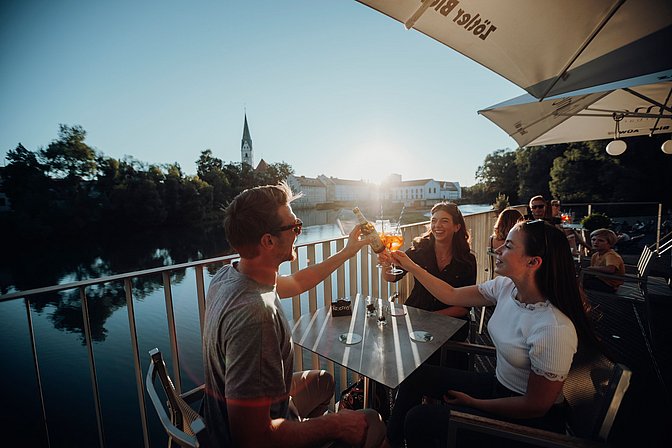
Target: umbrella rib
x,y
661,113
610,115
650,100
416,15
556,113
585,44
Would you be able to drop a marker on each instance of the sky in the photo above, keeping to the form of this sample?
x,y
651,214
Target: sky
x,y
330,87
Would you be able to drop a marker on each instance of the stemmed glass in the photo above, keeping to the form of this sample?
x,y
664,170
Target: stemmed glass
x,y
393,240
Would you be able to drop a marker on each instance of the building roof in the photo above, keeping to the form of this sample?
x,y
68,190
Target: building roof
x,y
415,183
246,132
448,185
308,181
262,166
338,181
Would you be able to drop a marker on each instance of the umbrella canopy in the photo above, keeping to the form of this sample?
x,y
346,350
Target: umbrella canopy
x,y
547,47
641,105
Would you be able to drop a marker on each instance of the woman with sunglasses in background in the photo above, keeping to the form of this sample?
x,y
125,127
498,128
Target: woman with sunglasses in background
x,y
537,324
443,251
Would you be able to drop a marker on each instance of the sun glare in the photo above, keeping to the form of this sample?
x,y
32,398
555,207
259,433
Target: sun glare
x,y
374,162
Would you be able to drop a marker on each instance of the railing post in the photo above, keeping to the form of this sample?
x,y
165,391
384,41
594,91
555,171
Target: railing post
x,y
128,289
660,215
296,314
200,296
37,369
172,334
92,365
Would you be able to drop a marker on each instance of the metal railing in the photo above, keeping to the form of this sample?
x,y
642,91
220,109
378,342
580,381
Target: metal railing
x,y
357,275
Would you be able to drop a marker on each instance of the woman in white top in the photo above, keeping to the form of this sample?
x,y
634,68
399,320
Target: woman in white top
x,y
536,327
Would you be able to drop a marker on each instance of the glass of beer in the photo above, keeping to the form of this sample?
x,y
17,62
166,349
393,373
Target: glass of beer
x,y
393,241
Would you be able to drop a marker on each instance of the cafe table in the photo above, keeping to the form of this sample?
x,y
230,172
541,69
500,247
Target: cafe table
x,y
387,353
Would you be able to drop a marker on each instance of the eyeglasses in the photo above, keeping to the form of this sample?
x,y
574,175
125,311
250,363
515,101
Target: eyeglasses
x,y
296,227
536,225
534,207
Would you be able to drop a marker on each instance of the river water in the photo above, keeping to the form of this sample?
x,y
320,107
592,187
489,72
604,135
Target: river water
x,y
62,353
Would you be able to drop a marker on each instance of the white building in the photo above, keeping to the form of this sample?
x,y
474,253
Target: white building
x,y
323,189
344,190
314,191
421,191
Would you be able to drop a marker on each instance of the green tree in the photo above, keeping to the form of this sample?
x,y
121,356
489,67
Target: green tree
x,y
69,156
477,194
207,163
586,173
499,174
26,184
534,167
274,173
136,203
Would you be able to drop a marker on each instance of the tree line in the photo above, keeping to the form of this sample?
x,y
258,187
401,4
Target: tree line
x,y
577,172
69,188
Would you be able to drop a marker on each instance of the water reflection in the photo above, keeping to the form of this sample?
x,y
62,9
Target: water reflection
x,y
94,256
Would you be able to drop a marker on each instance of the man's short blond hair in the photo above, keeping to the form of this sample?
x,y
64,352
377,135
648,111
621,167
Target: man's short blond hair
x,y
537,198
607,234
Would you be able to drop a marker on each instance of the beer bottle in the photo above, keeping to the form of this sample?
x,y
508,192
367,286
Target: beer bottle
x,y
369,231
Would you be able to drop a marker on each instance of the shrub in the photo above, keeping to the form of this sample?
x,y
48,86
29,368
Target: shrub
x,y
596,221
501,202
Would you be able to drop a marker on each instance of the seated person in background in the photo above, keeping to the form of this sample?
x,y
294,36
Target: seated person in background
x,y
555,217
505,222
444,252
605,259
537,207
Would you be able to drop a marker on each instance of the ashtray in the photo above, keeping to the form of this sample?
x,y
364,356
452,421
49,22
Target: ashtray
x,y
421,336
349,338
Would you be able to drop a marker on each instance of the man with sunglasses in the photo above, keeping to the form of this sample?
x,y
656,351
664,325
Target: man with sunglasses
x,y
537,207
253,397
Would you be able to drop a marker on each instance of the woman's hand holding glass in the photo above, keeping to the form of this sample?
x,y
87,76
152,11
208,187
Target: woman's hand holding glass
x,y
394,239
399,258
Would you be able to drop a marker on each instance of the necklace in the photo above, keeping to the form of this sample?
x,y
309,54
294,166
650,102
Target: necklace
x,y
443,259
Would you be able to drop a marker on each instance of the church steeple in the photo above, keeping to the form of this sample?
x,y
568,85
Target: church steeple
x,y
246,153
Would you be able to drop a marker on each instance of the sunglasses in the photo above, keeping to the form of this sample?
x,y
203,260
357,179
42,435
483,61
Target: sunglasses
x,y
534,207
296,227
539,225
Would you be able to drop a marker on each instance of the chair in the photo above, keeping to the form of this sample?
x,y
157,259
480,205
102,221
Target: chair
x,y
594,390
636,279
184,425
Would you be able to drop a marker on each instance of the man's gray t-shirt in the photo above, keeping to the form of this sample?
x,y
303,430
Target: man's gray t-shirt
x,y
247,349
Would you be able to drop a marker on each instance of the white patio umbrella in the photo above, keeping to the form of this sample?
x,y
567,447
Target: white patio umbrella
x,y
547,47
639,106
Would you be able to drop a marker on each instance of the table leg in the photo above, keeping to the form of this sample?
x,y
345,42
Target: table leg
x,y
366,392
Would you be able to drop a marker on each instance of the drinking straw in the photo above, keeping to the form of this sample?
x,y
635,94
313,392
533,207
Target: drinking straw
x,y
401,215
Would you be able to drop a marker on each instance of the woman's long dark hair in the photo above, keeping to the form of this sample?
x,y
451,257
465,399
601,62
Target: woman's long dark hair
x,y
556,278
461,247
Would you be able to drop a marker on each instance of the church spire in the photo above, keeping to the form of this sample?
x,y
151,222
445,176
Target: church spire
x,y
246,153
